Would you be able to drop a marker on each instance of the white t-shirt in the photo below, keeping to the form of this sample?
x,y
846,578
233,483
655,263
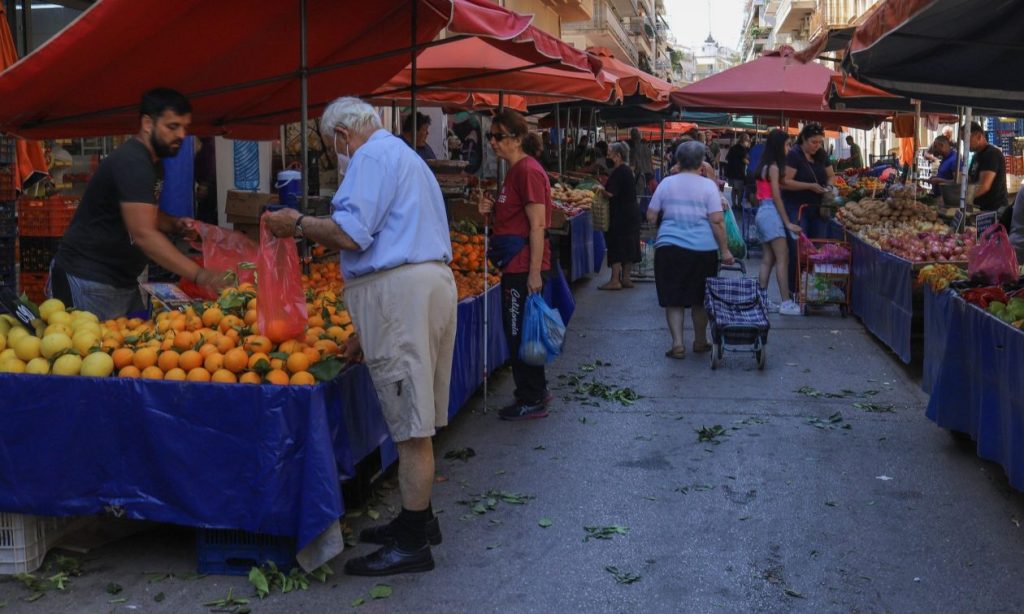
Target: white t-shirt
x,y
686,200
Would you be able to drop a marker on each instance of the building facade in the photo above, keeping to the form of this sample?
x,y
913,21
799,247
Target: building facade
x,y
713,58
634,31
769,24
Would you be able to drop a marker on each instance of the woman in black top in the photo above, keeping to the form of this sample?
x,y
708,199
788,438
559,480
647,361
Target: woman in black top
x,y
806,178
623,235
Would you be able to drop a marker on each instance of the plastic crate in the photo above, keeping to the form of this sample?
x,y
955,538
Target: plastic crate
x,y
7,191
45,218
25,539
7,145
33,285
233,553
8,219
37,253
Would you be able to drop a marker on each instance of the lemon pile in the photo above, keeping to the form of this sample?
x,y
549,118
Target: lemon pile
x,y
63,343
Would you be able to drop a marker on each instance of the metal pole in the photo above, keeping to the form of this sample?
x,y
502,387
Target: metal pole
x,y
558,129
284,141
304,86
412,62
663,148
917,130
966,138
487,267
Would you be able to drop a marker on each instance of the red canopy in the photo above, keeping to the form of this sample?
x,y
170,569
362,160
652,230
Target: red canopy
x,y
461,101
238,62
632,80
774,84
476,65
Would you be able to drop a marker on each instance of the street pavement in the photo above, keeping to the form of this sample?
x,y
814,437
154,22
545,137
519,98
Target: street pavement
x,y
825,489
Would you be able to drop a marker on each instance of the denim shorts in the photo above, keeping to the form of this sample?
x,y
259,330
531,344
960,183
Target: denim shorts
x,y
769,224
104,301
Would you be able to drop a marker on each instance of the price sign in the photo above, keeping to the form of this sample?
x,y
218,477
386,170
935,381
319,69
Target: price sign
x,y
984,220
957,222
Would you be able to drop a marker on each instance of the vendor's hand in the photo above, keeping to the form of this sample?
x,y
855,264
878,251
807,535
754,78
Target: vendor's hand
x,y
353,349
282,222
727,258
818,189
213,279
534,283
794,228
485,204
186,227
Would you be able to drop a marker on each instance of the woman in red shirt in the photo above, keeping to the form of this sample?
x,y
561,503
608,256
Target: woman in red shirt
x,y
521,218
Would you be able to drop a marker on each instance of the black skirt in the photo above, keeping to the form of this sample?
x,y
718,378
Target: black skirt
x,y
680,275
623,247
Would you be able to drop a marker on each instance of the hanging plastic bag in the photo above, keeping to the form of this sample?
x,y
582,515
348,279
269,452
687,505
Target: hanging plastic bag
x,y
280,300
737,245
543,332
993,260
226,250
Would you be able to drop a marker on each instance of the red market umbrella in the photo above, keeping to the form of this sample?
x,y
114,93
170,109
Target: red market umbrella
x,y
30,161
632,80
461,101
953,52
774,85
473,65
240,66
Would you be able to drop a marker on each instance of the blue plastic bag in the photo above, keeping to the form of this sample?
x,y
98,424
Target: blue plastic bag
x,y
543,332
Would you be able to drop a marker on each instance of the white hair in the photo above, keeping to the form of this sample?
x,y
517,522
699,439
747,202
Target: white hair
x,y
351,113
620,148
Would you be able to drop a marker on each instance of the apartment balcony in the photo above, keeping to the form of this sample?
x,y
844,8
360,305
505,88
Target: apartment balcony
x,y
626,8
793,14
572,10
604,29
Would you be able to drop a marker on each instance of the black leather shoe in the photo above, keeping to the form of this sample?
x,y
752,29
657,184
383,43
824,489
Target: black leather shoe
x,y
385,534
391,560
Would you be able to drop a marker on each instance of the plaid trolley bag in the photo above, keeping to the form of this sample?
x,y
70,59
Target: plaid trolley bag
x,y
738,312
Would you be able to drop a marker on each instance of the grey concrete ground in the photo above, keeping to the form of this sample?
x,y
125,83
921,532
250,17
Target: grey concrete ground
x,y
789,510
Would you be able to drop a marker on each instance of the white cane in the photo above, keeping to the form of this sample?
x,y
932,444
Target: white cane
x,y
487,310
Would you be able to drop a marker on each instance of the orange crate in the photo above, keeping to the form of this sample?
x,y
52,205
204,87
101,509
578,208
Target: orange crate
x,y
33,285
45,218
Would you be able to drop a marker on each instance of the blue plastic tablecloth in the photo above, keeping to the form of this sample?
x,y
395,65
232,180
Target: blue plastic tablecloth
x,y
581,244
882,295
976,386
599,250
257,458
936,327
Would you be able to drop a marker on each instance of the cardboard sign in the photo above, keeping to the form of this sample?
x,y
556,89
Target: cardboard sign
x,y
957,222
983,220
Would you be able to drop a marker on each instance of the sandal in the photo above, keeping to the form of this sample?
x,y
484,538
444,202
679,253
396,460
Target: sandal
x,y
608,286
676,352
700,349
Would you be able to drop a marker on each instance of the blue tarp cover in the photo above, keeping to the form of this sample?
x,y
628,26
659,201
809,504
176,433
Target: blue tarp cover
x,y
976,384
599,250
882,295
581,244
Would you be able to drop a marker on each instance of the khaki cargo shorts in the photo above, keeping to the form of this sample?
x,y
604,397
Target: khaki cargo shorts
x,y
405,318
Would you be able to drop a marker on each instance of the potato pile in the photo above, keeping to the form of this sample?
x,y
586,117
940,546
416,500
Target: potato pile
x,y
577,199
900,210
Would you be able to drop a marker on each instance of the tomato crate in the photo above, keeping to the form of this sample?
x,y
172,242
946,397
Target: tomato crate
x,y
33,285
25,539
45,218
7,191
230,552
37,253
7,145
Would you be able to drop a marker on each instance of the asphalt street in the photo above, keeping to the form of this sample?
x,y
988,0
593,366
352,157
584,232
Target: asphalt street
x,y
819,486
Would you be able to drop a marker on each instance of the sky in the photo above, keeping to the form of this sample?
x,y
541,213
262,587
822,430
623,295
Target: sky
x,y
688,20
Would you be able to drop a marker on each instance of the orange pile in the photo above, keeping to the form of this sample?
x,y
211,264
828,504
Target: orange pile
x,y
468,263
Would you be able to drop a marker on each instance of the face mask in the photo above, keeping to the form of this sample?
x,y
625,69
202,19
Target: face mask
x,y
343,158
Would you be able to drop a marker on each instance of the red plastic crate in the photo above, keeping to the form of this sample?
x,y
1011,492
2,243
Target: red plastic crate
x,y
45,218
7,191
33,285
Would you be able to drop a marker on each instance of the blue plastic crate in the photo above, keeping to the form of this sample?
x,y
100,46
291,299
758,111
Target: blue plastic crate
x,y
233,553
6,150
8,219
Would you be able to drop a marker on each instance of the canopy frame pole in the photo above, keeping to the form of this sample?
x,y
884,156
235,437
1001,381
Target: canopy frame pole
x,y
917,134
487,268
966,139
413,51
304,95
558,137
663,148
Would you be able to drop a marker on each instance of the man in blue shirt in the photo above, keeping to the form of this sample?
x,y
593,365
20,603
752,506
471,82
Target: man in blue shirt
x,y
389,221
943,147
422,132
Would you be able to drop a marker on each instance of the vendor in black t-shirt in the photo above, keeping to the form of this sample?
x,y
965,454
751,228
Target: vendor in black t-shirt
x,y
987,172
118,227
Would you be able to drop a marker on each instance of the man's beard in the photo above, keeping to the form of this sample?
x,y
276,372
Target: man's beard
x,y
163,150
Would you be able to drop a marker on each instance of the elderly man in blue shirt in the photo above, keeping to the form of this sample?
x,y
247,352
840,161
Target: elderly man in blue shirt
x,y
947,168
390,224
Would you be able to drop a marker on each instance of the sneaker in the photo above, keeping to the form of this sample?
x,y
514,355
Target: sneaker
x,y
773,307
548,397
523,411
790,308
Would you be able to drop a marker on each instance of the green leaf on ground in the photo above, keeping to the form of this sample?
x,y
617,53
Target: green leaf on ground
x,y
462,454
121,600
358,601
373,514
832,422
159,597
877,408
545,522
380,591
259,582
35,597
831,503
622,577
794,593
710,434
604,532
114,588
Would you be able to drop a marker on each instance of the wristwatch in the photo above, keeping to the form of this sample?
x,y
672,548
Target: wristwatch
x,y
298,227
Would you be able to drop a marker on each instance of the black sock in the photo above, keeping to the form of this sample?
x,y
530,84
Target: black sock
x,y
411,529
430,510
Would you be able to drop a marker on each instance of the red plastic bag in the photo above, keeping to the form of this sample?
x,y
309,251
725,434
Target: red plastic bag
x,y
993,260
226,250
280,299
